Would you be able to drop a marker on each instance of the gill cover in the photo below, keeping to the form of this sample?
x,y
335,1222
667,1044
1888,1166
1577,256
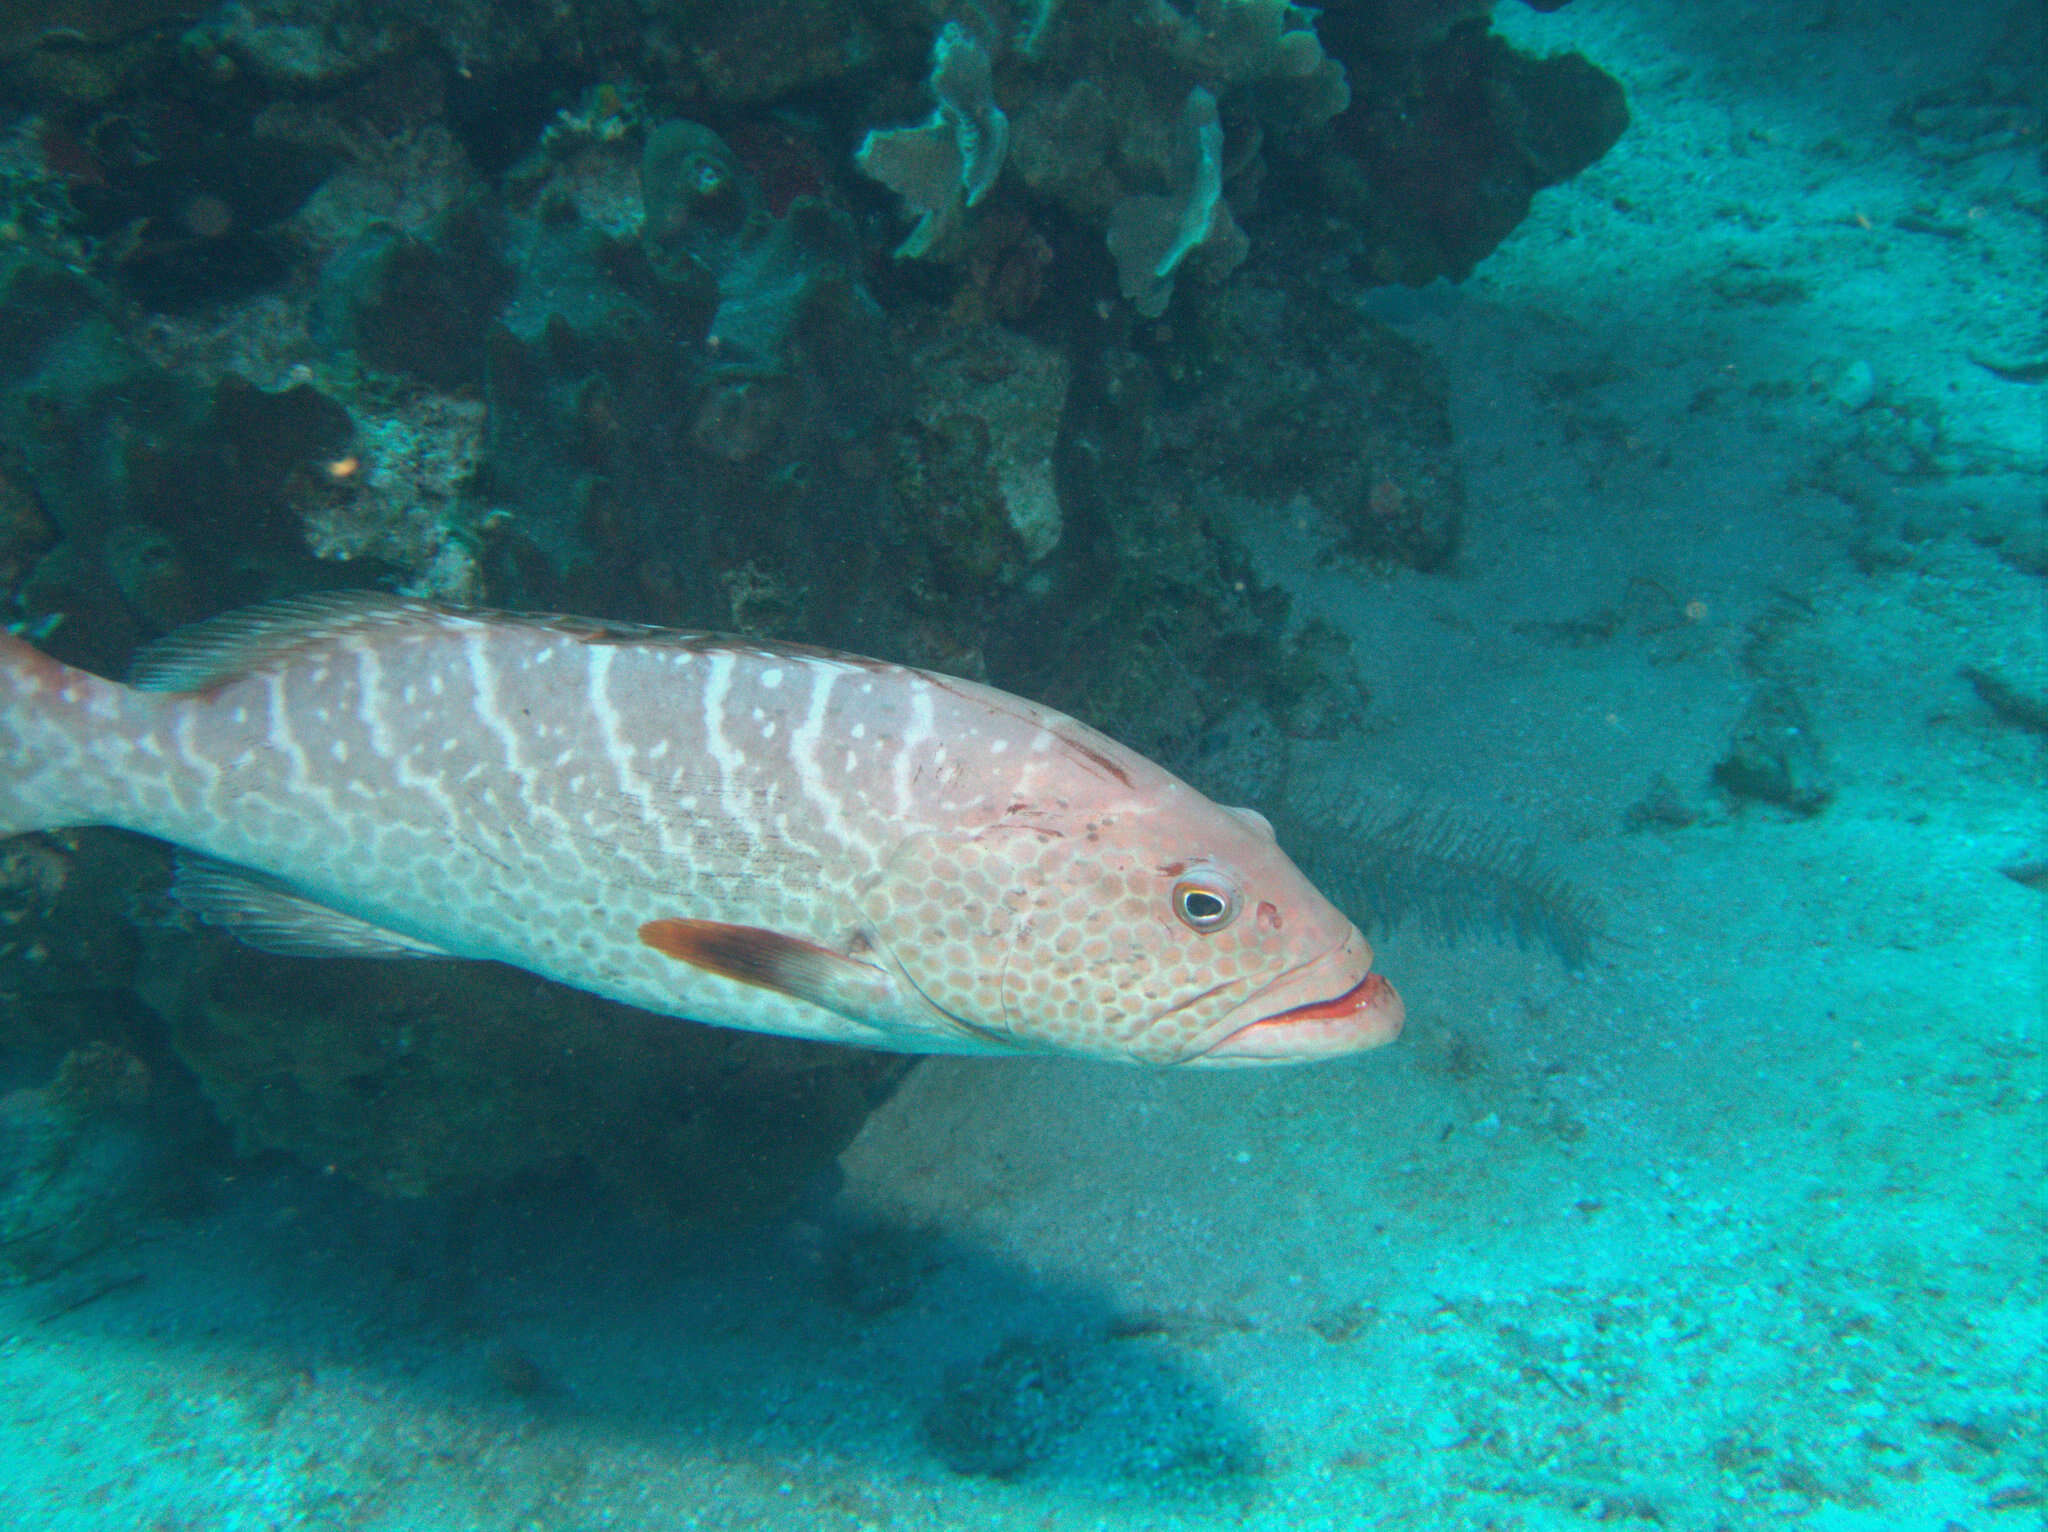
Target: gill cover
x,y
1063,940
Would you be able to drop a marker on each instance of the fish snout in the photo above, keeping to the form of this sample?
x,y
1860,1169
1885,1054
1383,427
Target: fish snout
x,y
1341,1006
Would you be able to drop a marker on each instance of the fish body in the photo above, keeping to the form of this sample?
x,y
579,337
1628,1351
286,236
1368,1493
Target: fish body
x,y
751,835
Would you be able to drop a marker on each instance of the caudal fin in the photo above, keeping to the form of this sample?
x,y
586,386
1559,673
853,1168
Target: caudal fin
x,y
49,714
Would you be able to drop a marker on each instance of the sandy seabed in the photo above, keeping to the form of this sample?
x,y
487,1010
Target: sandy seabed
x,y
1738,1226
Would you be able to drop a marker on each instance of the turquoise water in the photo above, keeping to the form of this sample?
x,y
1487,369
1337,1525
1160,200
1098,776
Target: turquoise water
x,y
1735,1224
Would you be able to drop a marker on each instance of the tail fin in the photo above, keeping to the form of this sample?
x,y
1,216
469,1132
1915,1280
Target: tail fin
x,y
49,714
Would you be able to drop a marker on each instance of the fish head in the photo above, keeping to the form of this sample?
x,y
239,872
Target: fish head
x,y
1173,932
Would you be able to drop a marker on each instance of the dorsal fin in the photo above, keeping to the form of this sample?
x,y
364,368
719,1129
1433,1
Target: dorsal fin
x,y
224,649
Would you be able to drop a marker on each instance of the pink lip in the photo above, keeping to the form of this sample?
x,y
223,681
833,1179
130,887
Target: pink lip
x,y
1365,1016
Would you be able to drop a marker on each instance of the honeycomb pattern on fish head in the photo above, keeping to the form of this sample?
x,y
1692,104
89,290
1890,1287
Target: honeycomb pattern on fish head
x,y
1131,936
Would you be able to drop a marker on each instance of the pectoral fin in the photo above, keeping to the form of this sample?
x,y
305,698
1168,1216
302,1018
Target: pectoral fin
x,y
789,965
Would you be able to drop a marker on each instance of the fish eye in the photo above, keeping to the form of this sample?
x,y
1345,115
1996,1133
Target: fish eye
x,y
1205,900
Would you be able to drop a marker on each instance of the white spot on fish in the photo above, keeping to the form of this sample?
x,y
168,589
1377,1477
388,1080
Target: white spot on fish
x,y
542,656
998,747
860,731
338,750
767,729
771,679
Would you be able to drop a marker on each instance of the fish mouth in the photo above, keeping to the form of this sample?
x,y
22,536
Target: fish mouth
x,y
1365,1014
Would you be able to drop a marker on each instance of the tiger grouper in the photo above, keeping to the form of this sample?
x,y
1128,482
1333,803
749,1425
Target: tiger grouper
x,y
748,834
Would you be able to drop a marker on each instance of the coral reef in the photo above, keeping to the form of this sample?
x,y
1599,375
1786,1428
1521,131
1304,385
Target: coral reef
x,y
68,970
400,496
978,456
1151,238
1302,401
1116,119
89,1158
957,334
946,164
1157,124
411,1077
1447,145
